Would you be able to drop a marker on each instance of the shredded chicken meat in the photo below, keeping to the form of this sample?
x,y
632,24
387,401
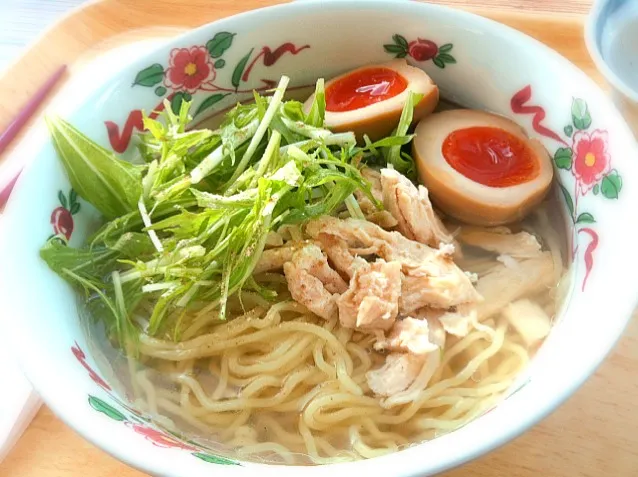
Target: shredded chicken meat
x,y
403,286
372,301
381,217
312,282
412,209
457,321
398,372
274,259
504,284
502,241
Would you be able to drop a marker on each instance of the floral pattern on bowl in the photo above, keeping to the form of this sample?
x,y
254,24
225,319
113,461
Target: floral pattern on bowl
x,y
119,411
196,69
421,50
584,155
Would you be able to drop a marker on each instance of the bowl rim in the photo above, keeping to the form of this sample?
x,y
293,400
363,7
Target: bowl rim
x,y
597,17
410,465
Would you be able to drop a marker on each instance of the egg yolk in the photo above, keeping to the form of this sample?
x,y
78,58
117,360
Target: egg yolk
x,y
363,88
490,156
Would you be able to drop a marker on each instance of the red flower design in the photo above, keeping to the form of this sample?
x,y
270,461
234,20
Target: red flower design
x,y
591,158
189,68
159,438
62,217
62,222
422,50
81,357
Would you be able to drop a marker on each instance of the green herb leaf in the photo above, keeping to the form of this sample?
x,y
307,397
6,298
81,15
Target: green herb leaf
x,y
150,76
113,186
317,111
133,245
403,162
207,201
92,264
111,231
219,43
389,141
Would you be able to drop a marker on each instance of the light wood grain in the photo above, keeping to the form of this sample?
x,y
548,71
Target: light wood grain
x,y
592,435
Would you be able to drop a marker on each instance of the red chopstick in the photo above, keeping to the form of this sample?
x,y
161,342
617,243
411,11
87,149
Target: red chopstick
x,y
21,119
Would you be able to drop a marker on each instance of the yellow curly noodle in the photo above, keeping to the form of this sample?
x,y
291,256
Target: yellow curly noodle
x,y
277,384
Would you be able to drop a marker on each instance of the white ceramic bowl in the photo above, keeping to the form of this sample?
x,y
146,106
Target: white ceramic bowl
x,y
476,62
611,32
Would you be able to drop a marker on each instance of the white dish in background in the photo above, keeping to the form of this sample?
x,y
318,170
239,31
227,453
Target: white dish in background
x,y
611,35
494,67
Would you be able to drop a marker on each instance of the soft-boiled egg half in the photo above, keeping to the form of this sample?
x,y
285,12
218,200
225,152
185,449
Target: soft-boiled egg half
x,y
369,100
480,168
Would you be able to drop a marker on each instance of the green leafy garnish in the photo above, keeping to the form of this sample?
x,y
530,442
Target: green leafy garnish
x,y
185,229
403,162
317,111
112,185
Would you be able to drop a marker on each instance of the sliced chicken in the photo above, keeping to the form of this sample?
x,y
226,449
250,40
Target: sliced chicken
x,y
310,292
274,258
457,321
501,240
412,335
312,282
412,209
437,284
372,301
399,371
430,278
311,258
529,320
503,285
382,218
274,239
367,238
339,254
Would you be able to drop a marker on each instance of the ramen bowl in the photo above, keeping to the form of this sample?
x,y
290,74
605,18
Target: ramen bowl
x,y
477,63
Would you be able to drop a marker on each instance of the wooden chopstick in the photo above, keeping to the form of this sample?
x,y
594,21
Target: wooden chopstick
x,y
14,128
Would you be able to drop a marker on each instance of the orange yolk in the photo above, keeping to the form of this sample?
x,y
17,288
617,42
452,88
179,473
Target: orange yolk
x,y
363,88
490,156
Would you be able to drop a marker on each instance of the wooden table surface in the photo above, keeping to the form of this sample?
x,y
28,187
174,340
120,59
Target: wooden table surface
x,y
592,435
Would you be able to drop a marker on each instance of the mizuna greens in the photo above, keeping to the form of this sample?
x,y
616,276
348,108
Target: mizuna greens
x,y
185,225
